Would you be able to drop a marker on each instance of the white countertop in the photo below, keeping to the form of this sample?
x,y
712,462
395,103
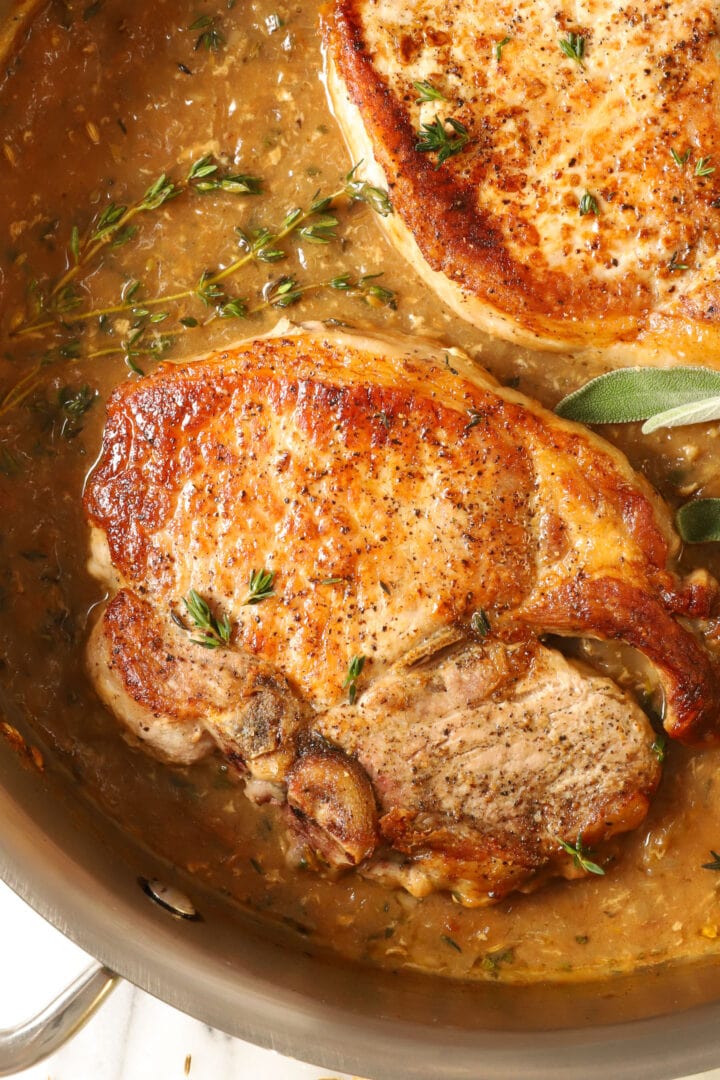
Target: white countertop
x,y
133,1036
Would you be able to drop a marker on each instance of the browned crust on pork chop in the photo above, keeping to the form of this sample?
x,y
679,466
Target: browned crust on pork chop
x,y
497,228
357,463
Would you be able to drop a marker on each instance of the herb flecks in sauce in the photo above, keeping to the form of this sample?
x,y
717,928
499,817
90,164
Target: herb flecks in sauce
x,y
715,864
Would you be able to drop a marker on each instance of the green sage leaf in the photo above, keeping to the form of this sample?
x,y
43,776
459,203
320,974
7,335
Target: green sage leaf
x,y
695,412
698,522
620,397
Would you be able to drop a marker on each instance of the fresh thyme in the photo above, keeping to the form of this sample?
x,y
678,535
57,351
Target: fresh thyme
x,y
588,205
435,138
113,227
427,92
715,864
210,37
703,167
73,405
499,46
59,306
579,854
214,632
260,586
480,623
659,747
680,160
574,48
354,672
360,191
675,264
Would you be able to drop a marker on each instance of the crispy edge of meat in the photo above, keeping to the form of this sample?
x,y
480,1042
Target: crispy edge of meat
x,y
471,248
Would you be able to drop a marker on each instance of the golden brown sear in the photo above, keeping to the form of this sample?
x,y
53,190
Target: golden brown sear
x,y
553,168
421,528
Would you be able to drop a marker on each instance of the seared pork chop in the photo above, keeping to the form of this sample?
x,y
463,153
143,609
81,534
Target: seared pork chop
x,y
578,206
419,517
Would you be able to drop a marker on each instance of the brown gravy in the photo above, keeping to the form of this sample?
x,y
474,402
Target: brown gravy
x,y
96,100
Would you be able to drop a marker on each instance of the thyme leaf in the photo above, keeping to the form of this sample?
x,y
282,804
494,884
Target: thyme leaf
x,y
579,854
499,46
680,159
260,586
480,623
73,405
210,38
659,747
355,667
574,48
435,138
360,191
675,264
715,864
703,167
427,92
214,632
588,205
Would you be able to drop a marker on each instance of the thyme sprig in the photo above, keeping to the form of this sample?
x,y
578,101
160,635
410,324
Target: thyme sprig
x,y
435,138
260,586
214,632
312,224
114,227
574,48
580,856
355,667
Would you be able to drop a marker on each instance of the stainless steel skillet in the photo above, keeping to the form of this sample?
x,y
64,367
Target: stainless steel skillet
x,y
90,881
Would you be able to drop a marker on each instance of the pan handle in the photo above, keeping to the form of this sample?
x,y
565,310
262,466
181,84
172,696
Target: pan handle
x,y
34,1040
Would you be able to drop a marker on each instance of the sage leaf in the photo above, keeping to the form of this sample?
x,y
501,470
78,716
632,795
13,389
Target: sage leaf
x,y
620,397
695,412
698,522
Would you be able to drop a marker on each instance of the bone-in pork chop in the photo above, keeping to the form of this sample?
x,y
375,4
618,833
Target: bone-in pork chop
x,y
554,167
424,527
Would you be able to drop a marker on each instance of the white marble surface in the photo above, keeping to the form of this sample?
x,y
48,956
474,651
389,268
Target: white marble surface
x,y
133,1036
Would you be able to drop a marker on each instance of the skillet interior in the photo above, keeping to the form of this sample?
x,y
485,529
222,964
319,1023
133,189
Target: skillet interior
x,y
79,871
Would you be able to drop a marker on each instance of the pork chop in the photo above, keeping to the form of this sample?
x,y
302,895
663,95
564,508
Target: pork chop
x,y
421,528
554,168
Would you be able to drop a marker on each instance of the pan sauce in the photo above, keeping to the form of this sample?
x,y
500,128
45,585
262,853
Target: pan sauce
x,y
96,101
